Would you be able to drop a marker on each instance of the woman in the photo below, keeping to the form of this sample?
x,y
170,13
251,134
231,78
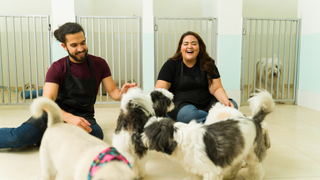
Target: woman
x,y
193,78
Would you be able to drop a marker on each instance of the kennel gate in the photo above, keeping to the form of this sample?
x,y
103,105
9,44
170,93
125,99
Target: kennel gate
x,y
117,39
270,39
25,55
168,31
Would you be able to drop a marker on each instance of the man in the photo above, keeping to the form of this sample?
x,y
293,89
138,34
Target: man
x,y
72,82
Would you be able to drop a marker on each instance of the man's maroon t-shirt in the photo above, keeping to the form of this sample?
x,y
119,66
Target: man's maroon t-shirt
x,y
57,71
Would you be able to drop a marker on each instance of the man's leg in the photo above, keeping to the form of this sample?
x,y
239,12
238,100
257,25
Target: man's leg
x,y
24,135
96,131
190,112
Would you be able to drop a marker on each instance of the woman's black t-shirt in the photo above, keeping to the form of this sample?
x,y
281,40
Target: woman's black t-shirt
x,y
171,69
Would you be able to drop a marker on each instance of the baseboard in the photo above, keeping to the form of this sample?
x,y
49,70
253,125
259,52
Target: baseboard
x,y
308,99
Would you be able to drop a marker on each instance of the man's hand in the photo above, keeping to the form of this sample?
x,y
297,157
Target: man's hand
x,y
126,86
79,121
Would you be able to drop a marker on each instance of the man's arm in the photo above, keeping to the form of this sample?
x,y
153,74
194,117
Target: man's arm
x,y
50,90
113,91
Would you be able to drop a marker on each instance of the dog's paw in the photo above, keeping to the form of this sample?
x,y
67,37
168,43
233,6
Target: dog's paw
x,y
280,102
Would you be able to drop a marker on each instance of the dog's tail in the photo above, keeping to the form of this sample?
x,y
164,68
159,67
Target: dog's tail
x,y
261,104
53,110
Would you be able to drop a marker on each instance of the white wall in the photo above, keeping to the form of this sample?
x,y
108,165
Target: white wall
x,y
177,8
109,7
25,7
270,8
309,86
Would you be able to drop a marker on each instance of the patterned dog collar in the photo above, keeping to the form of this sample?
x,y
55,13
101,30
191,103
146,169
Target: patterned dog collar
x,y
105,156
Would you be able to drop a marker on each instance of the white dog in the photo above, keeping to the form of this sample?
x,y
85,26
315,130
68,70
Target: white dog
x,y
271,72
136,109
215,151
71,153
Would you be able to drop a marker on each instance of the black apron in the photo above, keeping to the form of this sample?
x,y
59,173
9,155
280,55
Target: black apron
x,y
193,91
76,96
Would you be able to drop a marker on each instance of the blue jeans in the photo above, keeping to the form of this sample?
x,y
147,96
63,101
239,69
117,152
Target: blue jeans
x,y
28,134
190,112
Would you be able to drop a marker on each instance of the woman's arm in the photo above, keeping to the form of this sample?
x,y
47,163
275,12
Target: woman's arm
x,y
218,91
162,84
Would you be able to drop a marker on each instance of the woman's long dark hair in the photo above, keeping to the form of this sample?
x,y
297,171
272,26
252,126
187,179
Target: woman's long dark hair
x,y
206,62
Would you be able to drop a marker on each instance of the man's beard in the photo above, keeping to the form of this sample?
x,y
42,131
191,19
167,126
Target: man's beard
x,y
77,59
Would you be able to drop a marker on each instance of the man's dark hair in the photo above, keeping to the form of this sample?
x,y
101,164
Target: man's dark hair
x,y
67,28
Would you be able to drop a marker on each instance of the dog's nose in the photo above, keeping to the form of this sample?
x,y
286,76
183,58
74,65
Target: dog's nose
x,y
274,74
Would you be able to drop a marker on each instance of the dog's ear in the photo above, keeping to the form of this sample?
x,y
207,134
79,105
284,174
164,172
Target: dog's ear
x,y
122,122
160,136
267,141
171,146
160,104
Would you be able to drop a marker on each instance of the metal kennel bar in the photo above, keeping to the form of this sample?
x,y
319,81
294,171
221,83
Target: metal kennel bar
x,y
168,31
117,39
274,42
23,40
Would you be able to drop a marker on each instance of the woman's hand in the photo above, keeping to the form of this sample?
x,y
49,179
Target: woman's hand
x,y
228,103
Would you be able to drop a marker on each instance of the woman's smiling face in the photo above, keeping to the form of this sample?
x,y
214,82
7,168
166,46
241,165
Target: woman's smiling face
x,y
190,48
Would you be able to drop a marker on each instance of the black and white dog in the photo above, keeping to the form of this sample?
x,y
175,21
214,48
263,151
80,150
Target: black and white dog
x,y
215,151
136,109
162,101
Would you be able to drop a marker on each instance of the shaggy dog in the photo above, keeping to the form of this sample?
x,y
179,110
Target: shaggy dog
x,y
259,100
71,153
269,72
136,109
214,151
219,111
162,101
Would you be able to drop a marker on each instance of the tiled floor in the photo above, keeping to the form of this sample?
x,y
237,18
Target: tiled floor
x,y
294,153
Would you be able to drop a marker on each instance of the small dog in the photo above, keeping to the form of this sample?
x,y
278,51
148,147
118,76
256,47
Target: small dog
x,y
71,153
263,99
162,101
136,109
219,111
270,71
214,151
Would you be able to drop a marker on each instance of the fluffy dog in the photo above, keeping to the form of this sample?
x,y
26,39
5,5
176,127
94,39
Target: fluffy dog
x,y
219,111
136,108
214,151
162,101
70,152
271,72
259,100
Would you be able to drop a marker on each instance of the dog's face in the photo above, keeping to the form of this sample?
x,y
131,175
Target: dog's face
x,y
158,135
162,101
274,69
136,109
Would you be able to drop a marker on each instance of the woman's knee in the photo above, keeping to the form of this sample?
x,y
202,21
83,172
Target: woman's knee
x,y
97,131
189,113
234,103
